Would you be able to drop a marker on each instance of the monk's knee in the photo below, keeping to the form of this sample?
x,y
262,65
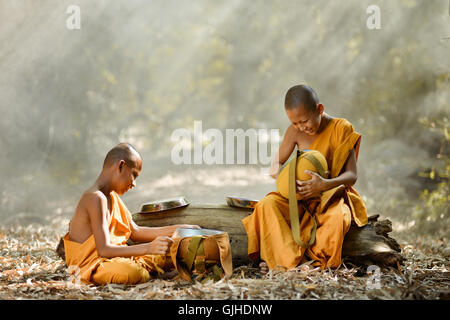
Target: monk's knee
x,y
338,216
132,274
121,271
267,202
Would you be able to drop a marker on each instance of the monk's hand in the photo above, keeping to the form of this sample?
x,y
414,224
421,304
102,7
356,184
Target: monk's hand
x,y
160,245
311,188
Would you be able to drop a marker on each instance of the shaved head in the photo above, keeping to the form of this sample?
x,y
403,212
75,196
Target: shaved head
x,y
301,95
123,151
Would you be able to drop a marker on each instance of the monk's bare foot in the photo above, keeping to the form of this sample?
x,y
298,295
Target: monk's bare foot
x,y
168,275
263,268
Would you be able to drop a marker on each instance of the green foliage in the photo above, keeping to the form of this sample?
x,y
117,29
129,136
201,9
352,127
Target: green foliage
x,y
434,206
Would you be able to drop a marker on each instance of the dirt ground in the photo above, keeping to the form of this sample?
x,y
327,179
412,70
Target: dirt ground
x,y
30,269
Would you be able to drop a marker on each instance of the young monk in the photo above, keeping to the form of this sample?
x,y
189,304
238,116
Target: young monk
x,y
96,242
268,227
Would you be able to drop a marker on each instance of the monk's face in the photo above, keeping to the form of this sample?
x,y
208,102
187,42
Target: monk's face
x,y
127,175
304,120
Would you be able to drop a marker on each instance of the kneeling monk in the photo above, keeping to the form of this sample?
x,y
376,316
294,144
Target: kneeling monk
x,y
269,228
96,242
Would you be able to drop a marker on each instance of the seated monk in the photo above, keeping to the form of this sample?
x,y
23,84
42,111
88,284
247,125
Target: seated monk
x,y
268,228
96,244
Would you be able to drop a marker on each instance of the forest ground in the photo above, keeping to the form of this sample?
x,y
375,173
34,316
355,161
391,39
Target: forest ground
x,y
30,269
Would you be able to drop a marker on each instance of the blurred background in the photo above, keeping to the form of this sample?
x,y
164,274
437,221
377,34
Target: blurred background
x,y
138,70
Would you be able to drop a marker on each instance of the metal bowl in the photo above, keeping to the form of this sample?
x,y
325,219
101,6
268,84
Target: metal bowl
x,y
241,202
164,205
188,232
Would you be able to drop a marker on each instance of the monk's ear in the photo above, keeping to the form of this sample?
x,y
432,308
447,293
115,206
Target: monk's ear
x,y
320,108
121,164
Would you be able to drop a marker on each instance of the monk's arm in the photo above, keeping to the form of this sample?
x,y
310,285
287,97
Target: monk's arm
x,y
147,234
97,208
286,148
317,184
348,176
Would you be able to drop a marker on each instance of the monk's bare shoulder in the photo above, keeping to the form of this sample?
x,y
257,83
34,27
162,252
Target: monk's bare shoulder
x,y
292,134
91,203
288,144
93,200
89,207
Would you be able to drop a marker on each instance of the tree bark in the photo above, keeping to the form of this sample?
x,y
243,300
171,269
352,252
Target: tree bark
x,y
363,246
371,245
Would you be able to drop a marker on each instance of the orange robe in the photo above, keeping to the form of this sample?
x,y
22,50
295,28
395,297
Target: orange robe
x,y
84,262
268,227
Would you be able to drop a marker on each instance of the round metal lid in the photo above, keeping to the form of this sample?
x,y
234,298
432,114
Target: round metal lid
x,y
164,205
241,202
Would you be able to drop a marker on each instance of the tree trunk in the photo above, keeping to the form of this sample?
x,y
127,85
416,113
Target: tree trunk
x,y
368,245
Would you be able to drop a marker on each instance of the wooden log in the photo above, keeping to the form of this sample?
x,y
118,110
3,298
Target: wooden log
x,y
368,245
371,245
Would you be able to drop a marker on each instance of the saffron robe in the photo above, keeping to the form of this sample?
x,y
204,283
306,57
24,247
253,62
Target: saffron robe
x,y
86,265
268,227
